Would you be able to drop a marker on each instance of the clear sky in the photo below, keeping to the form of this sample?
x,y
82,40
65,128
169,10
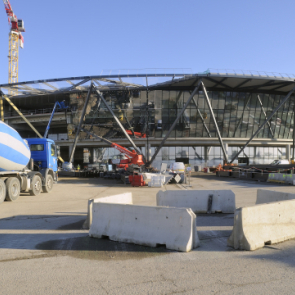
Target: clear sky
x,y
75,38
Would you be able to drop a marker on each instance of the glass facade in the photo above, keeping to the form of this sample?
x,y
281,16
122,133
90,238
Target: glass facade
x,y
206,156
150,114
237,114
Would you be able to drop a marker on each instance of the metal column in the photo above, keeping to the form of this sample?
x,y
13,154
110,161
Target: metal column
x,y
203,121
288,152
80,123
241,119
262,108
175,122
265,122
215,123
201,116
118,122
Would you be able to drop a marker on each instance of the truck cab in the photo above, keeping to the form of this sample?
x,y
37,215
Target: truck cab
x,y
45,154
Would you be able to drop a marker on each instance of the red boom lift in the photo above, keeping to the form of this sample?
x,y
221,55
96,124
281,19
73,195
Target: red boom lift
x,y
133,158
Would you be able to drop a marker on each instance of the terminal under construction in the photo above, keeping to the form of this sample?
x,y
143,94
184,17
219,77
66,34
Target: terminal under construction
x,y
203,119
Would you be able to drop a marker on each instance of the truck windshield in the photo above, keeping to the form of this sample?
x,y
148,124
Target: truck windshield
x,y
37,147
53,150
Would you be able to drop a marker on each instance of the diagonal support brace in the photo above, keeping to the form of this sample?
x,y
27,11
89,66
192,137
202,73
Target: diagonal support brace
x,y
80,123
117,121
265,122
264,113
19,112
174,124
215,123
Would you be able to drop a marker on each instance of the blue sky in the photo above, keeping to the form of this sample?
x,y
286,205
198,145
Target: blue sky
x,y
75,38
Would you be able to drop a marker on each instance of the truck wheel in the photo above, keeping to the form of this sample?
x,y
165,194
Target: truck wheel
x,y
12,189
48,184
36,186
2,191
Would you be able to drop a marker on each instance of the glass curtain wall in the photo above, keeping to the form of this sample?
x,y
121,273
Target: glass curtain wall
x,y
206,156
237,114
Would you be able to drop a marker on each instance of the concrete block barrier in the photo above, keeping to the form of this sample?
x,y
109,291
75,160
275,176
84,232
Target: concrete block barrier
x,y
115,199
267,196
145,225
281,178
263,224
200,201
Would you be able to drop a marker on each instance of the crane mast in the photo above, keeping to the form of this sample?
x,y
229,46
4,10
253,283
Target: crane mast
x,y
16,40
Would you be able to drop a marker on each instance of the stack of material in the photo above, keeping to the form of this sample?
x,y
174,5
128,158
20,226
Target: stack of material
x,y
157,181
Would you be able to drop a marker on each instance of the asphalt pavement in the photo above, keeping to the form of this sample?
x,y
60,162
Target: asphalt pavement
x,y
45,250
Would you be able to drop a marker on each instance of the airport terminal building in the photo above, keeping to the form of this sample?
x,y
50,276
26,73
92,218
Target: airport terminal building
x,y
200,119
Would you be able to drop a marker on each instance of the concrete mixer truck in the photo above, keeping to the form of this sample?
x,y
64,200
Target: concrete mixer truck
x,y
26,165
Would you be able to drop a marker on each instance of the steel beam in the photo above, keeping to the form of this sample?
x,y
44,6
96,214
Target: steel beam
x,y
203,121
80,123
118,82
93,119
98,137
19,112
215,123
265,122
78,84
201,116
241,84
199,157
128,123
97,83
263,111
219,82
175,122
99,77
117,121
241,119
51,86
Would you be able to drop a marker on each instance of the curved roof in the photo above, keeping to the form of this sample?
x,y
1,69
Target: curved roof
x,y
214,81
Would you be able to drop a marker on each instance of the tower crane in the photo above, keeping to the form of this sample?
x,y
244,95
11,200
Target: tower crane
x,y
16,40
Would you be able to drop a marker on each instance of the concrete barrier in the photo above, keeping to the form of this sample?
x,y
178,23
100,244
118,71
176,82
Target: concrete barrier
x,y
145,225
200,201
116,199
281,178
263,224
267,196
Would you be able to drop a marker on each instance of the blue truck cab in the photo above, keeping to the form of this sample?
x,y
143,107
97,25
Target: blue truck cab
x,y
44,152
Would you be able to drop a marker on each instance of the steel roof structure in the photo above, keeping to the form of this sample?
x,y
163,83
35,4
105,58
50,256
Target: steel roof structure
x,y
210,80
219,81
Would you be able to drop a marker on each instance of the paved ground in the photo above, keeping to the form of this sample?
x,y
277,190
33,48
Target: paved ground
x,y
44,250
